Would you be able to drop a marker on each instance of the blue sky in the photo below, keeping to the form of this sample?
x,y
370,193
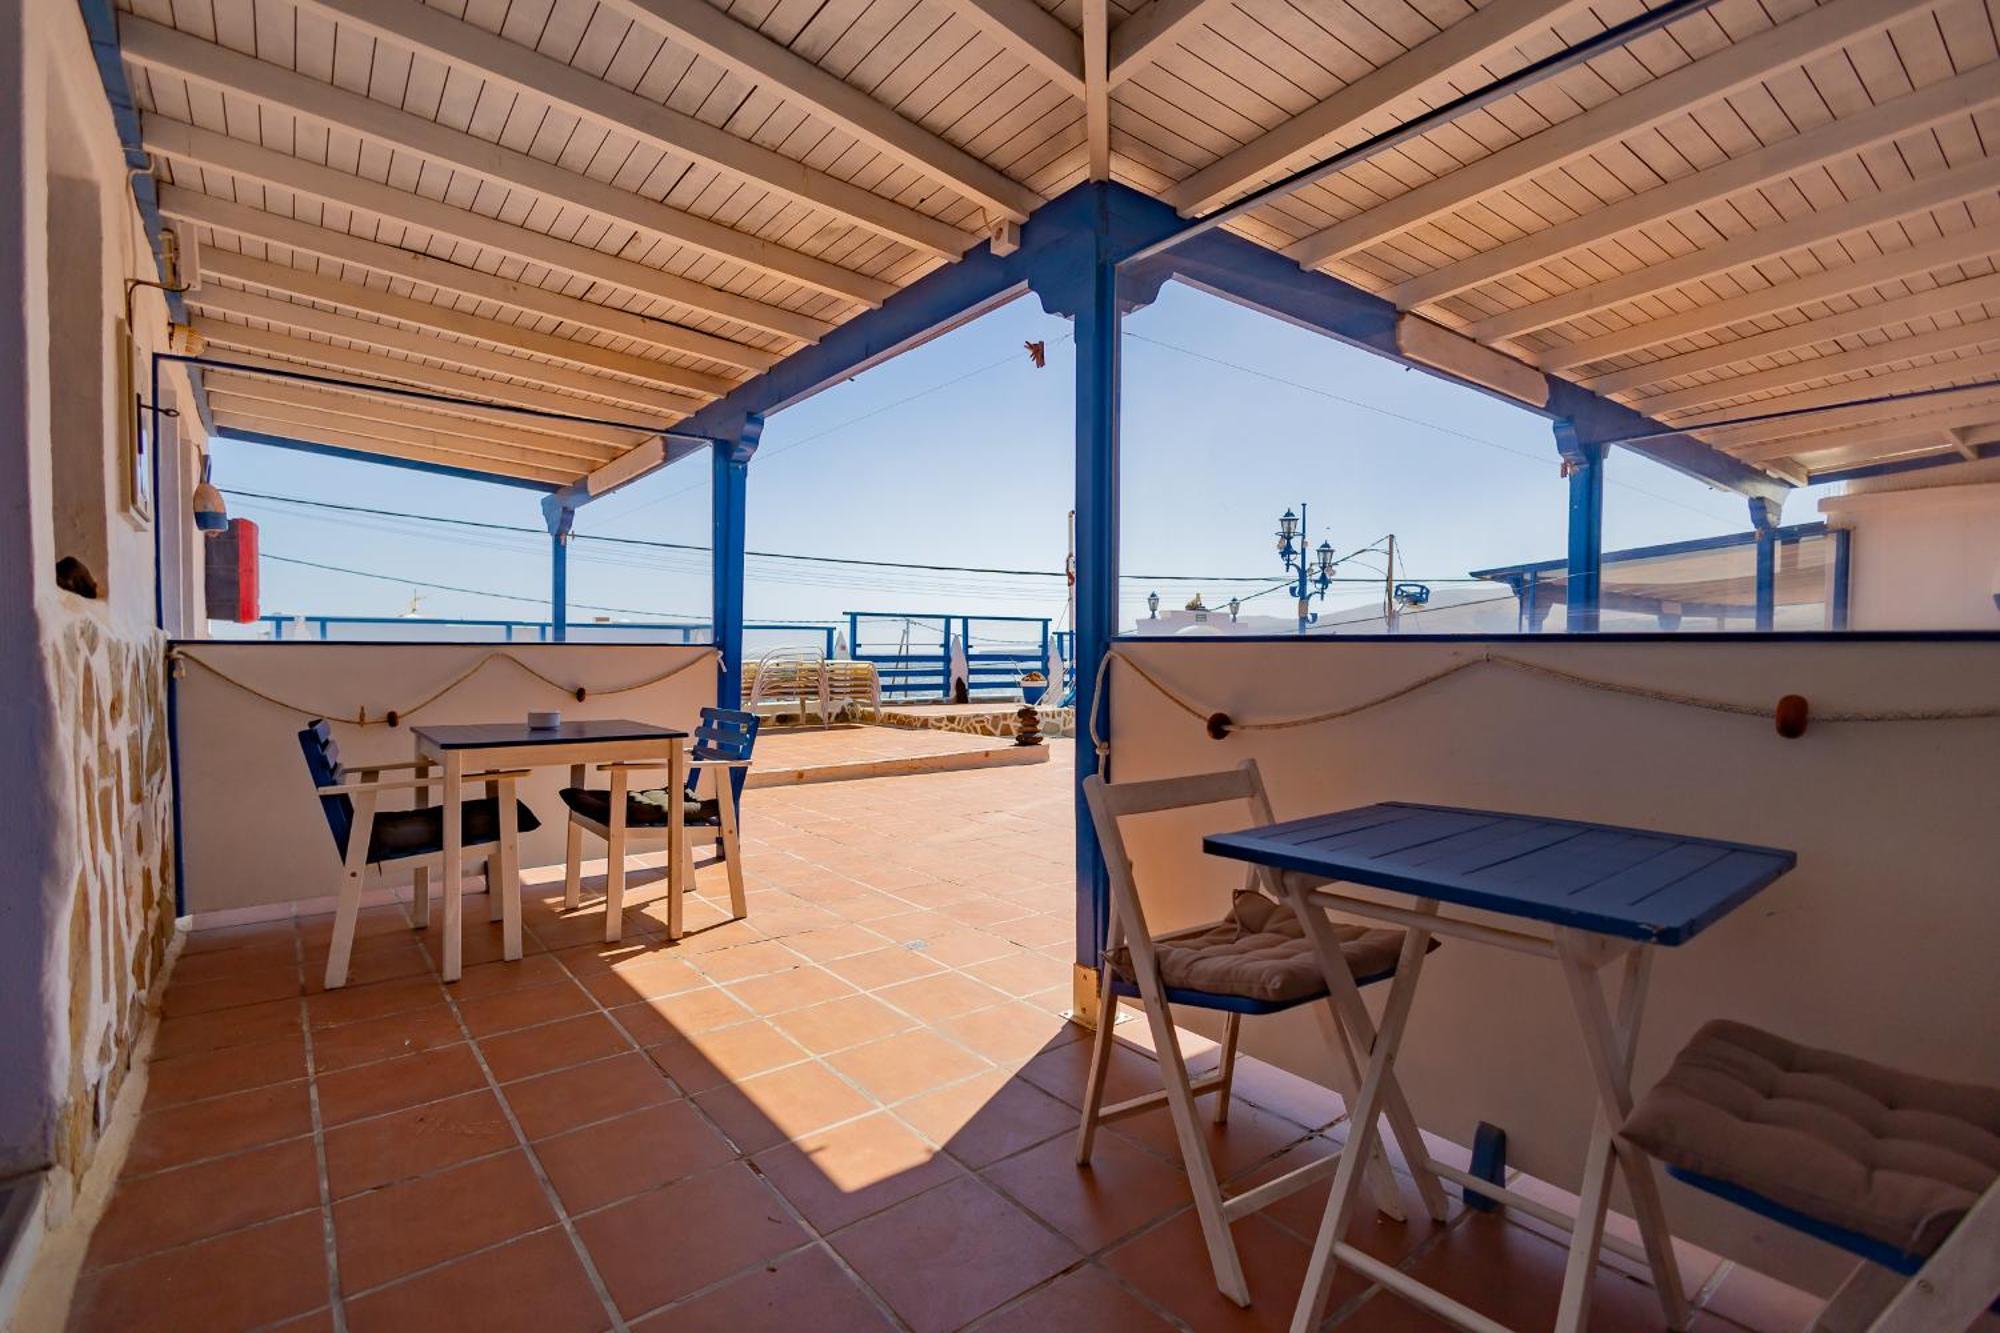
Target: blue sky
x,y
959,453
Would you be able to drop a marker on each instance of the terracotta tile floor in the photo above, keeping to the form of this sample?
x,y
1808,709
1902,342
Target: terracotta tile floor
x,y
851,1110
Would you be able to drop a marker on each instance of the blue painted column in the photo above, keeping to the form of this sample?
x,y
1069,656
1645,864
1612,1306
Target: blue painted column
x,y
1843,574
1583,463
730,460
1081,282
1764,513
561,519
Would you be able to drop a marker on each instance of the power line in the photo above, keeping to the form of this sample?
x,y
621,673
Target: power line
x,y
474,592
1440,427
761,555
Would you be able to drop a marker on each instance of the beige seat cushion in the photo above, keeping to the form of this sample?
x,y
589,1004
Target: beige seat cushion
x,y
1893,1156
1260,952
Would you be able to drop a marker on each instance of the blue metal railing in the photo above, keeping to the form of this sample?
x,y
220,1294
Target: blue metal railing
x,y
915,660
422,629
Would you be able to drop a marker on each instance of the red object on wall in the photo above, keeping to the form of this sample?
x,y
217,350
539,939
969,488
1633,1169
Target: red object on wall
x,y
229,582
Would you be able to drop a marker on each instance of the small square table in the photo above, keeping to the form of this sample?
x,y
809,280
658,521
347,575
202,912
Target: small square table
x,y
1611,894
501,745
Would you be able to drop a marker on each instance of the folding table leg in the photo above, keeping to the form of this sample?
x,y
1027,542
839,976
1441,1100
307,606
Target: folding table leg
x,y
573,850
1381,1177
614,865
1232,1026
509,855
453,871
1367,1107
1610,1045
420,878
1352,1013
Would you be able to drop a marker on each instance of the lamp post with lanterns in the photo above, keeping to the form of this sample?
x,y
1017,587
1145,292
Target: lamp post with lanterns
x,y
1312,569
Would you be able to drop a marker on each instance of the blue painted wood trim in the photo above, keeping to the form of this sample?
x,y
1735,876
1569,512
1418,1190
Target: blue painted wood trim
x,y
1726,636
174,784
728,499
1843,576
561,520
1584,563
384,460
1764,515
1791,533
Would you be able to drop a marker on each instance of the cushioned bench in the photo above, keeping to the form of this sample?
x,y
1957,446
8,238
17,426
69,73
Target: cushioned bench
x,y
1882,1163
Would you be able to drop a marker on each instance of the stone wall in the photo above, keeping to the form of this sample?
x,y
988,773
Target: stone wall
x,y
111,690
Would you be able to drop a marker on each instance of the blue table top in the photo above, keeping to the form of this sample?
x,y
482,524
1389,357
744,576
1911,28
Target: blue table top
x,y
1659,887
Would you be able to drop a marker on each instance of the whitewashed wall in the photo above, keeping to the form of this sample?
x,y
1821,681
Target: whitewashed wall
x,y
252,832
1880,943
1926,548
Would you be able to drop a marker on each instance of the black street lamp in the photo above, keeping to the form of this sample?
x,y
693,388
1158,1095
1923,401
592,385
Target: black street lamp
x,y
1313,570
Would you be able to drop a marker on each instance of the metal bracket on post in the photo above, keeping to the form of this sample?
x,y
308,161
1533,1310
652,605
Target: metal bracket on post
x,y
561,519
1583,464
1765,513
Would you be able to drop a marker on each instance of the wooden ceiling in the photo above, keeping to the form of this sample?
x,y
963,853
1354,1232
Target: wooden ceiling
x,y
622,208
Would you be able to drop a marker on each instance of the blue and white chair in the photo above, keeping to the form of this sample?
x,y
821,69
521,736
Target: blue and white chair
x,y
721,754
1258,959
369,839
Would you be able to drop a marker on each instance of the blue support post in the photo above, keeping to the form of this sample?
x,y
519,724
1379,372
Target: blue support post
x,y
1843,573
1764,514
731,462
1082,283
1583,462
561,518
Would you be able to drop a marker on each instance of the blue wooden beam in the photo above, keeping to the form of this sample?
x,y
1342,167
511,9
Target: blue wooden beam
x,y
1583,461
561,519
1843,574
729,461
1764,516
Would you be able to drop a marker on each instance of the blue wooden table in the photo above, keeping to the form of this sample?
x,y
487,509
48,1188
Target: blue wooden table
x,y
1586,896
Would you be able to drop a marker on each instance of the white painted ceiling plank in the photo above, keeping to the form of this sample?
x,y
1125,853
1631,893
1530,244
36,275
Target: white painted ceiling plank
x,y
1736,66
463,454
714,34
1051,48
152,45
1148,31
249,162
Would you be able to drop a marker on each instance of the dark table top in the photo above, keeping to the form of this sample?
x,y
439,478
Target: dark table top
x,y
1660,887
492,735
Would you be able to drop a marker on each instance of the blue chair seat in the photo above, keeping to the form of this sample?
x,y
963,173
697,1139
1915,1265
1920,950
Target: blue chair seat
x,y
404,833
642,809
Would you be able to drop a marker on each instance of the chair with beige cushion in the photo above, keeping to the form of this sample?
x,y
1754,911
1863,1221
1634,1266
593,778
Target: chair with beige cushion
x,y
1899,1169
1255,960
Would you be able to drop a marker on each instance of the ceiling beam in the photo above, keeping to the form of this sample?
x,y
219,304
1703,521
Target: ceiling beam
x,y
1950,98
217,299
1837,434
423,270
326,358
1965,369
364,406
309,416
1914,261
1097,88
271,421
708,31
1934,343
1873,446
1735,66
1147,32
249,162
437,35
1458,50
158,47
1977,177
333,291
1810,333
1051,48
1940,409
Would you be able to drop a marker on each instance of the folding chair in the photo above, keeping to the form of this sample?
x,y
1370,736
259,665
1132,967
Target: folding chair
x,y
1256,960
722,746
368,839
1900,1170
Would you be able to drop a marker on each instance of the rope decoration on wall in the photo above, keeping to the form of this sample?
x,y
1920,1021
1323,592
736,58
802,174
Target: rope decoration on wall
x,y
396,716
1220,725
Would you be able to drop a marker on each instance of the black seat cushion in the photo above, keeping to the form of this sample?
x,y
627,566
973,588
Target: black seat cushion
x,y
643,809
420,832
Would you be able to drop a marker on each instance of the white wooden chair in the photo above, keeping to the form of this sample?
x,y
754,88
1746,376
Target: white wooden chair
x,y
1257,960
621,817
368,839
1898,1169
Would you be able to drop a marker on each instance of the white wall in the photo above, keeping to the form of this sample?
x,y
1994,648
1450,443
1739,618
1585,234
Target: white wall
x,y
1926,548
252,832
1880,943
